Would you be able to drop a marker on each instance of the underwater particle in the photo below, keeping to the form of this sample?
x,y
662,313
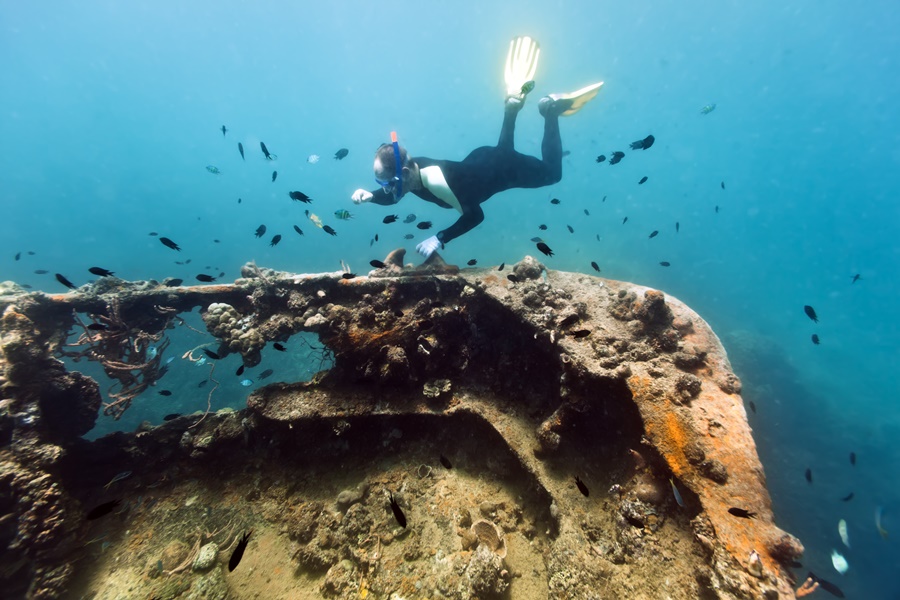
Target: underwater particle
x,y
390,219
101,510
246,382
601,158
298,230
653,234
853,458
409,218
275,240
842,531
200,361
169,243
238,552
100,272
260,231
241,150
213,169
266,373
808,475
62,279
472,262
616,157
274,176
445,462
581,487
544,248
327,229
279,347
265,152
118,477
811,313
740,512
164,392
665,263
343,214
815,339
881,530
848,497
205,278
398,513
313,159
678,499
300,197
341,154
424,225
555,201
754,564
643,180
839,562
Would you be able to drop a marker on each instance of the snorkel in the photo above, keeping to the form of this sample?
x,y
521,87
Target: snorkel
x,y
398,167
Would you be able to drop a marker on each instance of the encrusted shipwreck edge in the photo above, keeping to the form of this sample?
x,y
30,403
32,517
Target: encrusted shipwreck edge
x,y
595,329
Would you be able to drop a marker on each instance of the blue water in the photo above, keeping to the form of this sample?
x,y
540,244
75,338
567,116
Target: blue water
x,y
109,114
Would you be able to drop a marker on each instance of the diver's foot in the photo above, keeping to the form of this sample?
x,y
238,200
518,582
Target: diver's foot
x,y
514,103
553,106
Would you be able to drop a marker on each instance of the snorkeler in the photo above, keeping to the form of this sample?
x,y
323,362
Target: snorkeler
x,y
487,170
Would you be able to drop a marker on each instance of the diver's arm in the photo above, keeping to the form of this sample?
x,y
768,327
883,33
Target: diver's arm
x,y
385,198
471,217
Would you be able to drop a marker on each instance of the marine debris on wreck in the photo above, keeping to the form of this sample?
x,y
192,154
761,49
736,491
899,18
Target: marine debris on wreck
x,y
470,398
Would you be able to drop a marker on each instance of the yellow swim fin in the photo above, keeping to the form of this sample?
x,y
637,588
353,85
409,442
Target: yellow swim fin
x,y
576,99
521,64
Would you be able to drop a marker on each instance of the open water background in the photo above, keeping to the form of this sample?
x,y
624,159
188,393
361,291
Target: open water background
x,y
109,114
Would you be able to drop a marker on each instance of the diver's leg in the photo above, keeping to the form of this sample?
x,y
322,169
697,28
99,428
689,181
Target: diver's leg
x,y
551,149
511,110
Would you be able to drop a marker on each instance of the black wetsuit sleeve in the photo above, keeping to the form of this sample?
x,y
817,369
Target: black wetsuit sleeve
x,y
380,196
471,217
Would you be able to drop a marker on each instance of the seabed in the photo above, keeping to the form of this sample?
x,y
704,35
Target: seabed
x,y
473,398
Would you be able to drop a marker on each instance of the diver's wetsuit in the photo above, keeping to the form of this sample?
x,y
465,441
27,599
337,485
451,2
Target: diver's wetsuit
x,y
487,171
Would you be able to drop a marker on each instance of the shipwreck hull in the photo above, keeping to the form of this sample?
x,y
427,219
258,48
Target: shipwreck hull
x,y
474,398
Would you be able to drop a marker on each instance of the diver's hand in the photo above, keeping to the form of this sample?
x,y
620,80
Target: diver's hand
x,y
360,196
428,246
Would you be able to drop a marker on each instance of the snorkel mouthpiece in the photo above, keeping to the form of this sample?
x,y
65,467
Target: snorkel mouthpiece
x,y
398,167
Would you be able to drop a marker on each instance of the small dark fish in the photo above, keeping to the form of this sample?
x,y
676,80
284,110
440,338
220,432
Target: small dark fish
x,y
298,230
409,218
625,220
279,347
446,462
740,512
723,185
581,487
537,239
569,321
30,253
239,551
348,275
241,150
717,209
205,278
327,229
274,176
677,226
595,266
211,354
586,213
752,406
41,271
97,327
266,373
240,371
26,286
398,514
164,392
826,585
100,272
389,219
424,225
275,240
616,157
847,498
853,279
169,243
171,416
223,131
581,333
203,383
512,278
300,197
653,234
643,144
811,313
555,201
18,255
101,510
408,236
500,268
377,264
341,154
174,282
65,282
425,324
542,227
239,200
260,231
265,151
217,241
544,248
604,199
643,180
853,458
566,152
808,475
472,262
815,339
665,263
601,158
376,237
569,227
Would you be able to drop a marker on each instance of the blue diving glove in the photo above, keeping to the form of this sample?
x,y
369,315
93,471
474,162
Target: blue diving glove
x,y
428,246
